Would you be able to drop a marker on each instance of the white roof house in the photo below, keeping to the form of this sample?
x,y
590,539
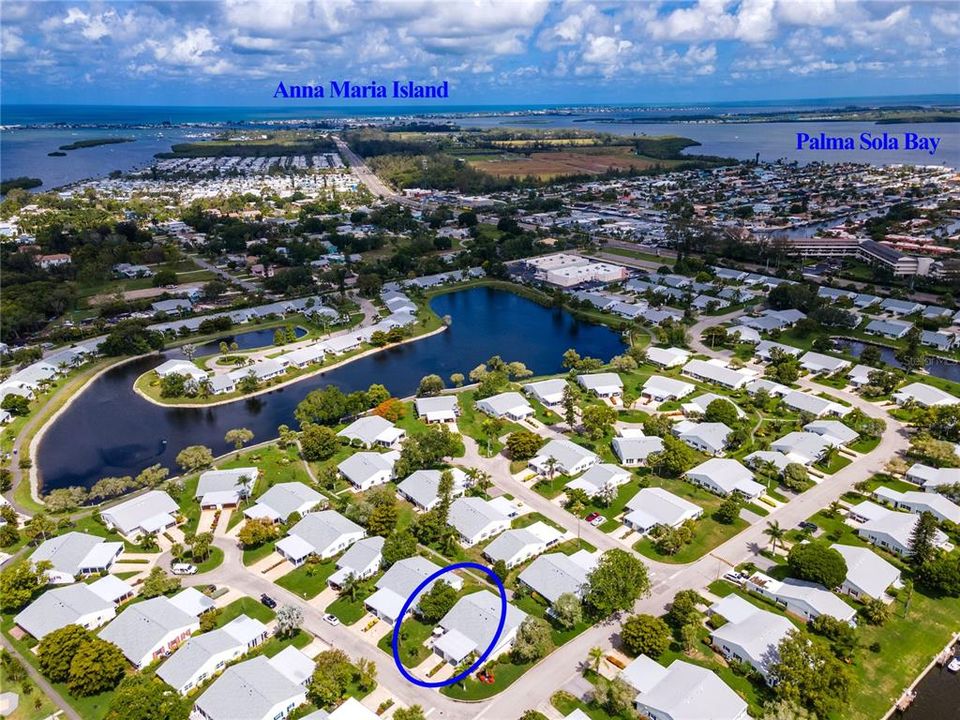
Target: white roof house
x,y
659,388
777,459
323,534
571,459
931,478
470,625
364,470
219,488
667,357
891,529
75,604
833,430
652,507
421,487
682,691
814,404
554,574
548,392
699,404
203,656
710,438
74,554
940,506
373,430
282,500
819,363
924,395
149,630
723,476
511,405
771,388
750,634
859,375
802,447
439,409
475,520
148,513
603,385
399,582
258,689
598,478
192,601
765,348
517,546
360,561
718,373
634,450
806,599
868,574
180,367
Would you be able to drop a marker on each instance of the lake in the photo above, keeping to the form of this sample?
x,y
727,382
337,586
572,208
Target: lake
x,y
109,430
936,366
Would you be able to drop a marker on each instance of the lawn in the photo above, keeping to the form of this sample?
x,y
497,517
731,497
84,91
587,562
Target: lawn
x,y
245,606
350,611
33,706
566,703
274,645
214,559
254,555
836,463
505,673
308,580
865,445
551,488
413,635
471,423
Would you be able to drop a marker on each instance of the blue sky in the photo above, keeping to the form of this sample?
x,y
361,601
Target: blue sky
x,y
234,52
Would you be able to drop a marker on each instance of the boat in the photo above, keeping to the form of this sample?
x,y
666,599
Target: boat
x,y
954,665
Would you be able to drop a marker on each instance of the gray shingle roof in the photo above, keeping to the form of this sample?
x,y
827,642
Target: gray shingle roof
x,y
140,627
247,691
58,608
68,552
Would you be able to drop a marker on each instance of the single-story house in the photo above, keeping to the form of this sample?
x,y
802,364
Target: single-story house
x,y
303,356
893,329
257,689
750,635
262,370
224,488
659,388
654,506
681,691
475,520
365,470
940,506
552,575
901,307
868,574
939,340
570,458
469,627
399,582
723,476
777,459
891,529
710,438
924,396
439,409
604,385
282,500
699,404
152,512
930,478
360,561
203,656
833,430
805,448
600,477
773,389
859,375
372,431
819,364
149,630
548,392
635,449
717,372
324,534
180,367
814,404
517,546
765,348
510,405
805,599
78,604
75,554
421,487
667,357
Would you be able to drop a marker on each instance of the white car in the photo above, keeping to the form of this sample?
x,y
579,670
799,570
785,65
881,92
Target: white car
x,y
183,569
332,619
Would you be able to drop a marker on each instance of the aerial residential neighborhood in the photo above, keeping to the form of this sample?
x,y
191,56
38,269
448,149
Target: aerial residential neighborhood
x,y
480,361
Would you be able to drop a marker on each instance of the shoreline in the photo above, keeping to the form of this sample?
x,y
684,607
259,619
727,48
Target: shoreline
x,y
285,383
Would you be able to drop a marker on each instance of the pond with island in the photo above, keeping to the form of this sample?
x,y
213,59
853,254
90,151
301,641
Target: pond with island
x,y
109,430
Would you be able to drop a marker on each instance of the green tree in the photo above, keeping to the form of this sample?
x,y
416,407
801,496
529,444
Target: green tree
x,y
19,583
568,610
430,385
324,407
645,635
532,641
437,602
456,379
158,583
15,405
256,531
56,651
808,674
817,562
875,611
684,610
597,420
615,696
729,510
238,437
615,584
332,674
721,411
383,518
377,394
399,544
318,442
142,697
595,658
523,444
500,570
97,667
414,712
674,460
796,477
775,533
194,457
922,549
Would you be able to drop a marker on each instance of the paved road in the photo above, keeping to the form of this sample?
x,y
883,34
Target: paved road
x,y
369,178
45,687
245,284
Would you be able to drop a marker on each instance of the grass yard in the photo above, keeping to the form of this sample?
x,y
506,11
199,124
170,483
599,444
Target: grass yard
x,y
413,635
214,559
836,463
254,555
274,645
350,611
471,423
865,445
308,580
34,705
566,703
505,674
245,606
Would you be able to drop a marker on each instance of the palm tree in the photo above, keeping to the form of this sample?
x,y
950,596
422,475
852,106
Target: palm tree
x,y
595,657
577,509
350,586
775,533
551,463
177,550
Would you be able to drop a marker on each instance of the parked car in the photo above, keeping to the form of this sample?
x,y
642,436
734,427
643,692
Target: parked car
x,y
268,601
332,619
594,519
183,569
808,526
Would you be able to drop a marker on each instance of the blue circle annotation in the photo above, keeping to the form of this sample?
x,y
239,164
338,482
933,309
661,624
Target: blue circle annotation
x,y
483,656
